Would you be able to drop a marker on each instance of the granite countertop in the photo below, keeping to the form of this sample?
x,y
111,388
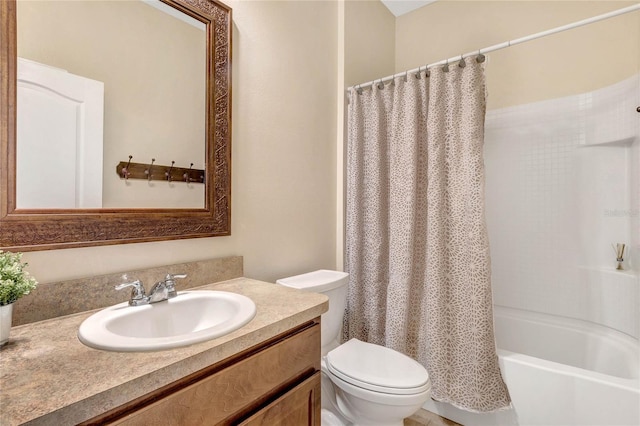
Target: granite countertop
x,y
47,376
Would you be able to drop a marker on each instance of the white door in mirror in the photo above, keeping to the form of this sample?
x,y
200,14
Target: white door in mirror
x,y
191,317
60,132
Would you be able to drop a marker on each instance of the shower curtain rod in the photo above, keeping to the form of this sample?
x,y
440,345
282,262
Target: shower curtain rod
x,y
508,43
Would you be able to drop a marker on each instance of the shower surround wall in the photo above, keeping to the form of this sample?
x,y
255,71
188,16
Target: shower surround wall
x,y
563,185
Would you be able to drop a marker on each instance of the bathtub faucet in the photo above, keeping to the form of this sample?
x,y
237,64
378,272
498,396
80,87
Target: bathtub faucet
x,y
619,250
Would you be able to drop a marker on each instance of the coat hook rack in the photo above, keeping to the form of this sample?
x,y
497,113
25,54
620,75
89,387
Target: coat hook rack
x,y
151,171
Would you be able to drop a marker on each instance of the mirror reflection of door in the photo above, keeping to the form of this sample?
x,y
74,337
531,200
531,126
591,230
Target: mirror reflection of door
x,y
59,126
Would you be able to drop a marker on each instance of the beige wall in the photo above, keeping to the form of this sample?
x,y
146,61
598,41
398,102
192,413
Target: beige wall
x,y
153,67
369,41
568,63
283,157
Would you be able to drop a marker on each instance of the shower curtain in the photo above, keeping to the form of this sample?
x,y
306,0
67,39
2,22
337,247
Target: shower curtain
x,y
417,249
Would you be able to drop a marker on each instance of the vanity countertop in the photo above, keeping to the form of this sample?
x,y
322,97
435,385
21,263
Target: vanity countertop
x,y
47,376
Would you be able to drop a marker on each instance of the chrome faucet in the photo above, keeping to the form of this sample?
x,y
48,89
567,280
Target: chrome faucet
x,y
162,290
166,289
138,296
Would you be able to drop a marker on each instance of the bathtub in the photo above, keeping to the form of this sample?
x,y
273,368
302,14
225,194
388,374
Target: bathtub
x,y
560,371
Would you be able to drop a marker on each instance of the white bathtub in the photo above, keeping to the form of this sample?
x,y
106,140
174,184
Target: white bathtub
x,y
560,371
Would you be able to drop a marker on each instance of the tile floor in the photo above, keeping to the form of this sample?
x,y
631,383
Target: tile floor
x,y
427,418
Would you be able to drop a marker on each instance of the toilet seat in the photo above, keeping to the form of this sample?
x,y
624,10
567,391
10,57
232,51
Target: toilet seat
x,y
377,368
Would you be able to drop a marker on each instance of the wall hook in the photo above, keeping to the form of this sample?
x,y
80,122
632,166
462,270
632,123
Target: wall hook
x,y
185,176
148,171
125,170
168,172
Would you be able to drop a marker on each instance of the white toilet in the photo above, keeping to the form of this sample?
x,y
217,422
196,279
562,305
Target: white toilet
x,y
363,383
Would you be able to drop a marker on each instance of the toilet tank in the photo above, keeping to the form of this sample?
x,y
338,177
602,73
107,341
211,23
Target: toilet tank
x,y
334,285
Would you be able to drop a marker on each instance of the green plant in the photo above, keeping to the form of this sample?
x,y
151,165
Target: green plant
x,y
15,282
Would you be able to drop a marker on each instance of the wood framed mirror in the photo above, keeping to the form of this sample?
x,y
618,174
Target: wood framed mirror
x,y
28,229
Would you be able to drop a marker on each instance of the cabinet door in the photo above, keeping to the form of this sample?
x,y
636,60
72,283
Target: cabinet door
x,y
236,391
298,407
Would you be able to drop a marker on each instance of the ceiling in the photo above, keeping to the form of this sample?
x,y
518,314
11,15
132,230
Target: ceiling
x,y
400,7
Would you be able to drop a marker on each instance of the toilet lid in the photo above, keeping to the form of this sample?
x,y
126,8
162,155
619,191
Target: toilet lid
x,y
377,368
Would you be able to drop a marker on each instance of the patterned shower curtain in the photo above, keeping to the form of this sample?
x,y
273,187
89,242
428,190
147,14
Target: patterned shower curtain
x,y
417,248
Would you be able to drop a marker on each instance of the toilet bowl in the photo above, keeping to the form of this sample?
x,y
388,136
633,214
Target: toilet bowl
x,y
362,383
375,385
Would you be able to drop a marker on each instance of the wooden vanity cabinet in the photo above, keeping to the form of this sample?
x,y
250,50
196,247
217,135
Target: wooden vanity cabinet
x,y
299,406
276,382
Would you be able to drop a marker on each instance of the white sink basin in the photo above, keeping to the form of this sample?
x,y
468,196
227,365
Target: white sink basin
x,y
191,317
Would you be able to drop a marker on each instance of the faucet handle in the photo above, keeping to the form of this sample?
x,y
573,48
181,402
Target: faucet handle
x,y
170,282
137,291
172,277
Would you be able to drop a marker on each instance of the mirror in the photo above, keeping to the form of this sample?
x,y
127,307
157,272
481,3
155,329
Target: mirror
x,y
25,226
133,81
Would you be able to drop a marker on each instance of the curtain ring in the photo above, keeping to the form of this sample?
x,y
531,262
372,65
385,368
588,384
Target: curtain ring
x,y
427,73
445,68
359,90
462,62
406,76
380,85
418,73
480,58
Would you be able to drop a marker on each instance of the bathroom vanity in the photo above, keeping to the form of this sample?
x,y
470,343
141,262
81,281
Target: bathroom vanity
x,y
266,372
